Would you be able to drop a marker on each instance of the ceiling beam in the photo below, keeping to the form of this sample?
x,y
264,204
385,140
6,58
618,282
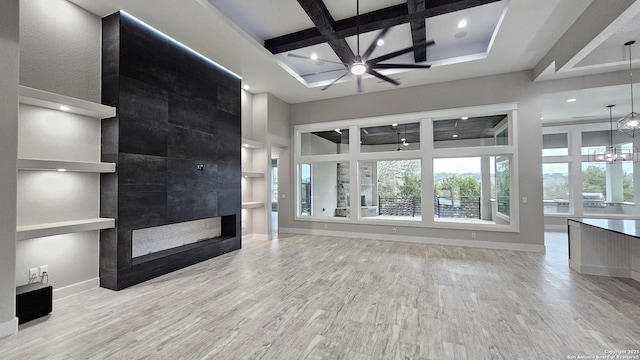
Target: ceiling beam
x,y
322,19
375,20
418,29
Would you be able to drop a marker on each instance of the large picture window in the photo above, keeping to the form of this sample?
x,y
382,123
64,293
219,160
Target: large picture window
x,y
391,189
472,189
441,169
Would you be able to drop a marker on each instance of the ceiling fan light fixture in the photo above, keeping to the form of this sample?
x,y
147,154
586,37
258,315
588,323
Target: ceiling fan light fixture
x,y
358,68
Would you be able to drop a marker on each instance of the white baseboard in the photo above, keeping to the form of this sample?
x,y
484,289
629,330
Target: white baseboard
x,y
554,227
635,275
419,239
9,327
66,291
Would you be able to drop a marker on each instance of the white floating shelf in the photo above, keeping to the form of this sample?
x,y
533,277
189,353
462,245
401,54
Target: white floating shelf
x,y
247,174
251,144
252,205
54,101
40,164
63,227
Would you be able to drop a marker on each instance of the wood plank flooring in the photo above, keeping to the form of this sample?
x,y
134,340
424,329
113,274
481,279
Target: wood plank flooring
x,y
317,297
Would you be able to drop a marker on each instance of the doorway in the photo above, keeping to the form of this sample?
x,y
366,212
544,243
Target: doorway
x,y
274,194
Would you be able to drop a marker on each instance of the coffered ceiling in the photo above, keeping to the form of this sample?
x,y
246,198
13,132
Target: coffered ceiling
x,y
551,38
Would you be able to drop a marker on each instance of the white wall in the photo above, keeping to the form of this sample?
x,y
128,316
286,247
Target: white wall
x,y
503,88
60,52
9,70
60,48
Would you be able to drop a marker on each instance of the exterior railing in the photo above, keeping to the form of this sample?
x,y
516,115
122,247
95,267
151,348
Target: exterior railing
x,y
399,206
467,207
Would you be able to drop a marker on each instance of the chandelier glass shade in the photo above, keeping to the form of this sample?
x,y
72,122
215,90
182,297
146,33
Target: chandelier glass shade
x,y
613,154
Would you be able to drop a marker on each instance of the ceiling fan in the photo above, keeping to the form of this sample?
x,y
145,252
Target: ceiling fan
x,y
361,64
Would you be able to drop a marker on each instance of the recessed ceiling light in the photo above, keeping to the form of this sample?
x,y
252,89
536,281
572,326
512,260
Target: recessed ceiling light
x,y
464,117
314,56
380,42
541,117
571,100
454,135
246,145
246,87
62,170
394,125
462,24
64,108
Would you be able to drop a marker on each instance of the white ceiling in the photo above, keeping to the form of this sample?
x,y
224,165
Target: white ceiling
x,y
507,36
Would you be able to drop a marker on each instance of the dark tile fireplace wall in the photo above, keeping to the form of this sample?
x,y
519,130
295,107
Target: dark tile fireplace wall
x,y
175,111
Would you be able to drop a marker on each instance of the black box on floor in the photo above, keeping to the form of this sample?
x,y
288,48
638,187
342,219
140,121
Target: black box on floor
x,y
33,301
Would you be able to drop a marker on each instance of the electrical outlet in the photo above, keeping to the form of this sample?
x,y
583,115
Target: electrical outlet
x,y
33,274
395,231
473,235
44,269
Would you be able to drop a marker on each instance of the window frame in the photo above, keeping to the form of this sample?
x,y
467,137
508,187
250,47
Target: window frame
x,y
425,154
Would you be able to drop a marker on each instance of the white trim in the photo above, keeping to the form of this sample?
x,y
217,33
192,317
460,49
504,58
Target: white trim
x,y
601,270
9,327
408,117
74,289
419,239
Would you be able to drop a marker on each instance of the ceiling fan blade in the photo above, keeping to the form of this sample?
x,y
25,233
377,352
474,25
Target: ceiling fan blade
x,y
309,58
380,76
359,83
399,66
400,52
335,81
374,43
320,72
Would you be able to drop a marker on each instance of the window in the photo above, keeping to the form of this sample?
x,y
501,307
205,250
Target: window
x,y
555,188
472,189
324,189
605,187
325,142
393,137
471,131
555,145
390,189
378,176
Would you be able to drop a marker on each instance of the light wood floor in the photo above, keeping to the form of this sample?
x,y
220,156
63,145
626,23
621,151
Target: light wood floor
x,y
313,297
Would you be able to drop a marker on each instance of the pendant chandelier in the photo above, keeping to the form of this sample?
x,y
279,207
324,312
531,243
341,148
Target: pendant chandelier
x,y
612,154
630,124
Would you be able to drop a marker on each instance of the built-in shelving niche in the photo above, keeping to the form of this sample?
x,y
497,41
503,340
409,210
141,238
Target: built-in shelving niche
x,y
46,119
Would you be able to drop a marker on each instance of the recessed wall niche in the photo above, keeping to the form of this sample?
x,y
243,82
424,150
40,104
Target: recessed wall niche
x,y
176,144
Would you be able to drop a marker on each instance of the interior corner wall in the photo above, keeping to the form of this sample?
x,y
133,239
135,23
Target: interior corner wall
x,y
60,52
60,48
9,72
495,89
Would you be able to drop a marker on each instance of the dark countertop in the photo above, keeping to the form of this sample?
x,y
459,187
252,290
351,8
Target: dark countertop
x,y
630,227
